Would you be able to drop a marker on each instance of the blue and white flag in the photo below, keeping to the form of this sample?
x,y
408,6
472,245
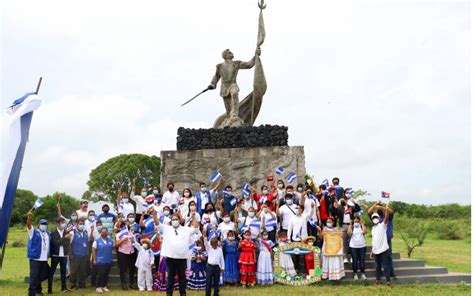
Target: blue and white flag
x,y
246,189
192,246
325,182
279,171
38,203
291,177
233,201
18,122
216,176
312,196
272,222
256,223
149,221
123,233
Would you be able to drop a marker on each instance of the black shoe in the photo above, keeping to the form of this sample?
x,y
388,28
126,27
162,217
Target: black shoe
x,y
133,287
124,287
65,290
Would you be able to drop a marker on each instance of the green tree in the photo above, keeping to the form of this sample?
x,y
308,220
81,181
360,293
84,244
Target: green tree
x,y
121,172
24,200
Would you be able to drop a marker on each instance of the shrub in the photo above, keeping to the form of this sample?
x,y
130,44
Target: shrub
x,y
18,244
449,230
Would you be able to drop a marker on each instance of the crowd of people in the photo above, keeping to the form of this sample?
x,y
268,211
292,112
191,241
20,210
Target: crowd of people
x,y
201,241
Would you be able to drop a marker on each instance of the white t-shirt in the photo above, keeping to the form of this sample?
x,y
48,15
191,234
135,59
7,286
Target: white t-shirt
x,y
88,225
287,212
224,228
309,211
347,215
298,228
246,221
379,238
184,208
170,198
267,216
176,241
44,243
211,218
357,238
139,200
250,202
159,209
126,208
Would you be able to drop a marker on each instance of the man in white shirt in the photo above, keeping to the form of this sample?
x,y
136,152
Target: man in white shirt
x,y
171,197
297,230
380,246
123,204
286,211
175,248
311,210
38,253
139,202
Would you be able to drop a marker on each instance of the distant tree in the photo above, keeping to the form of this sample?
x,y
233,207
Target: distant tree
x,y
359,193
121,172
24,200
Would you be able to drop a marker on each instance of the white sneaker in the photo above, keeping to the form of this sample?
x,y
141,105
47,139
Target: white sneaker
x,y
362,276
345,260
356,277
150,290
99,290
105,289
141,290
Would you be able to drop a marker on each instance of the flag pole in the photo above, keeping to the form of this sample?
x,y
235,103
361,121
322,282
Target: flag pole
x,y
38,85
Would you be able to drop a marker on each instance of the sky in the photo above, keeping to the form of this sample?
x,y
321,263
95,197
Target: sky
x,y
377,92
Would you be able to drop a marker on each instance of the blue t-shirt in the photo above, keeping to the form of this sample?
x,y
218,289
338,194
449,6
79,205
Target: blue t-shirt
x,y
389,224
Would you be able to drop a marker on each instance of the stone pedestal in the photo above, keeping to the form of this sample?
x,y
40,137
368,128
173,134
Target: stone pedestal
x,y
186,168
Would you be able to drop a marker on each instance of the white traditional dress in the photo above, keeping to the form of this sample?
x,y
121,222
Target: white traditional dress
x,y
286,263
265,265
333,266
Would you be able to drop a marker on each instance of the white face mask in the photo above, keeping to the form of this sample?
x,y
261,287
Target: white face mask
x,y
329,225
251,214
144,194
192,208
175,223
289,202
198,248
376,221
186,194
145,246
265,192
280,186
226,219
203,189
125,200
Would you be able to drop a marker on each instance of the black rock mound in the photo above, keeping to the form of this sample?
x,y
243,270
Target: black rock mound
x,y
232,137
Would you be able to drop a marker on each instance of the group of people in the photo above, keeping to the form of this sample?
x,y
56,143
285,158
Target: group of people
x,y
205,240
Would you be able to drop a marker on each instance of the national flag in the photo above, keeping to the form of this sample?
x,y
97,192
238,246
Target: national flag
x,y
385,194
123,232
38,203
272,222
233,201
17,126
213,233
149,221
291,177
325,182
192,246
313,222
312,196
246,189
255,223
262,199
279,171
215,176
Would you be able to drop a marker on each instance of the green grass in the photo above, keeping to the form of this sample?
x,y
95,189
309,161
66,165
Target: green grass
x,y
455,255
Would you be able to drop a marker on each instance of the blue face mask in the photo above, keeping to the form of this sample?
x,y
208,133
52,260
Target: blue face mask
x,y
175,223
80,227
155,192
43,227
166,213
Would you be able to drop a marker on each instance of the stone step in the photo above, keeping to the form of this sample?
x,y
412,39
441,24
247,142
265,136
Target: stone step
x,y
399,263
450,278
405,271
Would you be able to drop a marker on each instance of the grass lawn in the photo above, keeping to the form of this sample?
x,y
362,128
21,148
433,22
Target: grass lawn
x,y
456,255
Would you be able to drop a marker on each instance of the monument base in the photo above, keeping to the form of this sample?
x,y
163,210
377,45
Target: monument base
x,y
238,165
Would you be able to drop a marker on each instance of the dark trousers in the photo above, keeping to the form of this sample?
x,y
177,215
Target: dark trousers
x,y
272,235
390,258
39,271
93,274
127,267
62,261
299,263
213,274
157,264
312,231
381,261
173,267
137,218
358,259
102,274
78,271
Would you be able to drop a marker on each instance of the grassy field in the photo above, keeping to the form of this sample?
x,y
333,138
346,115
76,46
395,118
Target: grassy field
x,y
456,255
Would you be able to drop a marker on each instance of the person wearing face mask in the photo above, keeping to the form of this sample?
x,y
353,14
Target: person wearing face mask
x,y
231,259
72,221
79,255
338,188
175,248
226,225
279,192
249,202
357,231
97,234
197,280
269,220
124,205
102,259
247,260
192,213
299,191
108,219
291,190
346,214
238,213
140,202
59,246
311,211
286,263
171,196
250,222
38,251
380,247
210,216
286,211
332,266
126,256
205,196
265,265
324,202
90,221
228,200
144,262
263,196
83,213
186,199
297,230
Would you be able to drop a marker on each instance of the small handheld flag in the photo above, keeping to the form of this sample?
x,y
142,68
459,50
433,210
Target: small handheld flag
x,y
385,194
233,201
215,176
291,177
246,189
279,171
325,182
38,203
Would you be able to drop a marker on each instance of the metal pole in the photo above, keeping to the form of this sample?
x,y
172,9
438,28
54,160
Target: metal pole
x,y
38,86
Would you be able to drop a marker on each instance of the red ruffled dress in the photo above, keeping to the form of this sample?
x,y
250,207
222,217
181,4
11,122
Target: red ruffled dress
x,y
309,260
247,263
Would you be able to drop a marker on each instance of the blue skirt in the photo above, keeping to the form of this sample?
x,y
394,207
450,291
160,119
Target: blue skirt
x,y
197,280
231,271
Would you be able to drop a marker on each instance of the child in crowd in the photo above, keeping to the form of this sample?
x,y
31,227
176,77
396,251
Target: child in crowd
x,y
145,260
309,258
160,281
333,266
265,265
197,281
231,258
247,260
286,263
357,231
215,266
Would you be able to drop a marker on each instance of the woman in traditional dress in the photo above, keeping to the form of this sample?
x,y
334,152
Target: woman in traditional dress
x,y
333,266
265,265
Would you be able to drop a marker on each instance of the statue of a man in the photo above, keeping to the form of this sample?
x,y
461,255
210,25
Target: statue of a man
x,y
227,71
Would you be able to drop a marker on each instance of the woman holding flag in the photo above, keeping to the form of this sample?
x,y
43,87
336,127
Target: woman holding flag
x,y
126,255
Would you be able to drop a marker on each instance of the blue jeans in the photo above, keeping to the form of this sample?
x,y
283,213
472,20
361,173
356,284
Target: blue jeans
x,y
381,261
213,274
390,258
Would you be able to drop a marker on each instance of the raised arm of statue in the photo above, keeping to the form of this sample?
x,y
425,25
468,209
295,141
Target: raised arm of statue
x,y
215,79
251,63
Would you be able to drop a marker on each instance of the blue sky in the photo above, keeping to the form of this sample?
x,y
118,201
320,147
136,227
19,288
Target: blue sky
x,y
378,92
